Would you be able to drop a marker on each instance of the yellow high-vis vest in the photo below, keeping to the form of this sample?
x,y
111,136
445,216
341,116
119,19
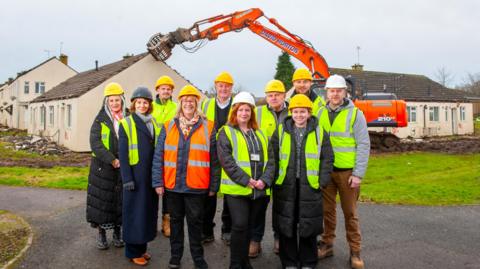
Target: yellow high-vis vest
x,y
313,149
341,135
130,129
242,158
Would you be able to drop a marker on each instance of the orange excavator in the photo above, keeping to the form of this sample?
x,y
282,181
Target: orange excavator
x,y
381,110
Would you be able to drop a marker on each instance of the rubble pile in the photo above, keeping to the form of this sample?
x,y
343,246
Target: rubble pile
x,y
35,144
51,153
451,145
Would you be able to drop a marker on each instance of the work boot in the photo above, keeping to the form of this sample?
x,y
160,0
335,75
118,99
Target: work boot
x,y
166,225
102,239
276,246
324,250
117,237
355,261
226,238
254,249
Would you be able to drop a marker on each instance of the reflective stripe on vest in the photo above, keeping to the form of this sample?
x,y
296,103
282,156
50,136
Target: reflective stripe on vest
x,y
208,109
105,133
341,135
317,104
266,120
130,129
313,149
164,112
198,166
242,158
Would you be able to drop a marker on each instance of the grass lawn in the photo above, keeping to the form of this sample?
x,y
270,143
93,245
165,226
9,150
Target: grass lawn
x,y
423,179
408,178
57,177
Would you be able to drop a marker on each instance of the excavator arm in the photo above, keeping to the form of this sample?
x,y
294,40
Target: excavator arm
x,y
379,113
160,46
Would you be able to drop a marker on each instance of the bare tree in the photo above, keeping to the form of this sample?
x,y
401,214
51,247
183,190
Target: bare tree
x,y
443,76
471,83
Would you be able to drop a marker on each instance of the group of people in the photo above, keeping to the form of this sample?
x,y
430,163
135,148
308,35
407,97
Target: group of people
x,y
298,152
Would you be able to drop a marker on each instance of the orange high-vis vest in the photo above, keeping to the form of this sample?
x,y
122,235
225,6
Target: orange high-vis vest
x,y
198,166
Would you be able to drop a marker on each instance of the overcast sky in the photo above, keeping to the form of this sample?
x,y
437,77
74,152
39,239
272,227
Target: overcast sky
x,y
414,37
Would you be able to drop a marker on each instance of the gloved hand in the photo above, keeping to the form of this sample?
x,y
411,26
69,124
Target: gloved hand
x,y
129,186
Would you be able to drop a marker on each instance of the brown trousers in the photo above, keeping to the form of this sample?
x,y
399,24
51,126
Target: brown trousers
x,y
348,200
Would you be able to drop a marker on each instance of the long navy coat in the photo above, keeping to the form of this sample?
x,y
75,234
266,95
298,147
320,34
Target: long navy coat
x,y
140,206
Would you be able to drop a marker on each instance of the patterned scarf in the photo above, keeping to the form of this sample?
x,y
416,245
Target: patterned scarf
x,y
186,125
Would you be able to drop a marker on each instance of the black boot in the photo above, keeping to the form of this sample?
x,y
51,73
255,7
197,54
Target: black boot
x,y
102,239
117,237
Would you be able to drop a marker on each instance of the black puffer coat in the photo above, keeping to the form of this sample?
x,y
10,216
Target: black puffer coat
x,y
104,193
298,202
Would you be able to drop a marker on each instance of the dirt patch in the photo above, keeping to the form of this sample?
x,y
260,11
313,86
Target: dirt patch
x,y
70,160
450,145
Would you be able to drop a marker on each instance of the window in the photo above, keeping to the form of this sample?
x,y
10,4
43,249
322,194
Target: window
x,y
39,87
462,113
446,113
433,113
42,116
412,113
26,87
69,115
50,115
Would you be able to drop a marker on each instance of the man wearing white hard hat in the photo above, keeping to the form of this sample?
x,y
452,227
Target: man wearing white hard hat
x,y
348,131
247,173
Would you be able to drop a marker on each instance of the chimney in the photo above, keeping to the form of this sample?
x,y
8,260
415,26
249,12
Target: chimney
x,y
96,65
357,67
63,58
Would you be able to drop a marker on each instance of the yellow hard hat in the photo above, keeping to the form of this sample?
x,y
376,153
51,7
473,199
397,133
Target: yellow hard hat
x,y
113,88
300,100
224,77
302,73
275,85
165,80
189,90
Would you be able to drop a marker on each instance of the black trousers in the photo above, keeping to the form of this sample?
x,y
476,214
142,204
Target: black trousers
x,y
301,252
209,209
191,206
244,212
164,205
226,218
135,250
257,229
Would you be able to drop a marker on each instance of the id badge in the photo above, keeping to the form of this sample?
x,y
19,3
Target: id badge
x,y
255,157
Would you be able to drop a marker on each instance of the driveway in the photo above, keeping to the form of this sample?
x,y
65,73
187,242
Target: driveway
x,y
393,236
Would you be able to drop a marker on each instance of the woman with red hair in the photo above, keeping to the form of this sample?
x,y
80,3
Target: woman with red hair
x,y
247,172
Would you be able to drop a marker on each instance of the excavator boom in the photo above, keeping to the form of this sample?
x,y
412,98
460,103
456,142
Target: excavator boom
x,y
379,113
160,46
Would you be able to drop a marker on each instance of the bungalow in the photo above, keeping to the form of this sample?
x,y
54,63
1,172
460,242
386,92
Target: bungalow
x,y
433,110
65,114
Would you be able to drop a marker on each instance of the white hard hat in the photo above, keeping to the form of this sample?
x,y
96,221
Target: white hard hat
x,y
243,97
336,81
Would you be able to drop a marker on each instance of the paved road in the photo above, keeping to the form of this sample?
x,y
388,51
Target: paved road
x,y
394,236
